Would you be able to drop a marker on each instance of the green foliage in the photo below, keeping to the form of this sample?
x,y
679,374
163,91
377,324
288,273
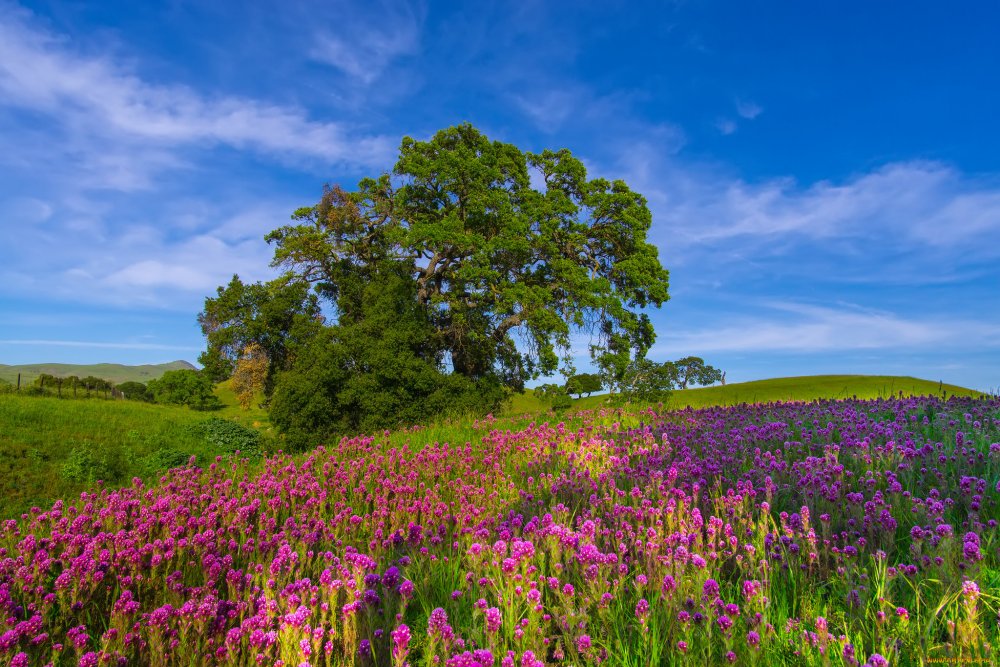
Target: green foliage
x,y
554,396
161,460
185,387
694,370
276,316
561,402
648,382
229,437
584,383
96,384
135,391
378,371
87,463
548,391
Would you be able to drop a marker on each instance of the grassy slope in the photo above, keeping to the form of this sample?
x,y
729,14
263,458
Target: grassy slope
x,y
116,373
804,388
37,435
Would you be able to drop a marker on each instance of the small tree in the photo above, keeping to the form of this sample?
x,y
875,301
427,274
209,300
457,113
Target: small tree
x,y
250,375
555,395
694,371
45,380
135,391
584,383
185,387
648,381
92,383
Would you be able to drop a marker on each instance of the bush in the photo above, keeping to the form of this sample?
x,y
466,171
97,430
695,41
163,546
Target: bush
x,y
86,464
162,460
185,387
561,402
228,437
135,391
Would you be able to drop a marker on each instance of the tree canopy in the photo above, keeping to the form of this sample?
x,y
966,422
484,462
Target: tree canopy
x,y
502,254
694,370
647,380
185,387
584,383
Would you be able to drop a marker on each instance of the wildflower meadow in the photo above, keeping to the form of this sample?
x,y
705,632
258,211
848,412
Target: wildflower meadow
x,y
814,533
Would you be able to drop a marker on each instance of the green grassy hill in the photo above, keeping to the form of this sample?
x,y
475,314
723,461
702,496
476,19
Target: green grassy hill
x,y
54,448
116,373
805,388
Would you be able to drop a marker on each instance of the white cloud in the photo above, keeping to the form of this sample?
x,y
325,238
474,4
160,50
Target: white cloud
x,y
725,126
171,262
24,210
549,109
748,109
823,329
93,96
925,207
363,51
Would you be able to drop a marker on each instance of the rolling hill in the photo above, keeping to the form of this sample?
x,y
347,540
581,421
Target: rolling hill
x,y
116,373
805,388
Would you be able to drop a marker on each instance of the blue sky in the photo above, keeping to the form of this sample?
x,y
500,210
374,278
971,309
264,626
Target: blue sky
x,y
824,178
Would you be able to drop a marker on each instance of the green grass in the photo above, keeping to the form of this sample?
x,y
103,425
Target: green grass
x,y
805,388
812,387
54,448
116,373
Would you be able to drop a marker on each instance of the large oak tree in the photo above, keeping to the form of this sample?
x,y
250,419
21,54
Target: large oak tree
x,y
508,255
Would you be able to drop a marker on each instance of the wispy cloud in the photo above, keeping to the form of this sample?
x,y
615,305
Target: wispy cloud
x,y
549,109
133,261
801,328
726,126
96,97
929,208
99,345
363,49
748,109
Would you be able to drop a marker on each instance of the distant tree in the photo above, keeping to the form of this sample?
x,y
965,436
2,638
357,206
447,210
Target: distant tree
x,y
73,382
584,383
135,391
562,402
548,391
92,383
250,375
185,387
694,371
554,395
649,381
46,382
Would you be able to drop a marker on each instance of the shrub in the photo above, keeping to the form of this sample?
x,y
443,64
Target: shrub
x,y
135,391
162,460
228,437
86,465
185,387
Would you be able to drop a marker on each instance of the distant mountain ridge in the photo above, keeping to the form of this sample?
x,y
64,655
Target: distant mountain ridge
x,y
116,373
